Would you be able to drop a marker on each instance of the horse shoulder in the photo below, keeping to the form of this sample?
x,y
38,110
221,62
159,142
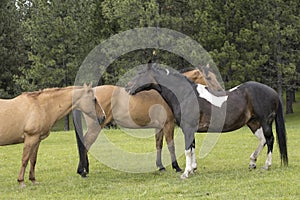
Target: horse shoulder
x,y
35,116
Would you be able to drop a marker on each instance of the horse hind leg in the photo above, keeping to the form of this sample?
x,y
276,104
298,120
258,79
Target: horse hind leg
x,y
258,132
159,143
270,143
169,134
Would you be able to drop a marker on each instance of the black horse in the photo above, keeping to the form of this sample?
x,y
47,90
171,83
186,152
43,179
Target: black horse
x,y
197,109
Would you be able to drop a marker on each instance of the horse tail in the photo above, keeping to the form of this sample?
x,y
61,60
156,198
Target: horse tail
x,y
83,159
281,134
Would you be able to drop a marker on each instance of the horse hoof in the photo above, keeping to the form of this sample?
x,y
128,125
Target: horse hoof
x,y
265,168
184,176
178,169
162,169
35,182
84,175
252,166
176,166
22,185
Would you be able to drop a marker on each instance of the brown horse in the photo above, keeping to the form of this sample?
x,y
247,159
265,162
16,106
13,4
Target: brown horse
x,y
204,76
29,117
144,110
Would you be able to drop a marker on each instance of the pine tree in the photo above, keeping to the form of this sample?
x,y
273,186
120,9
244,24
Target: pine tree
x,y
59,34
12,49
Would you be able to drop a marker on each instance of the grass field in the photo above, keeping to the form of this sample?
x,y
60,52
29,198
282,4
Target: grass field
x,y
223,174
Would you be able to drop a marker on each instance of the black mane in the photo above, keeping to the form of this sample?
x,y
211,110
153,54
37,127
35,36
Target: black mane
x,y
187,69
174,73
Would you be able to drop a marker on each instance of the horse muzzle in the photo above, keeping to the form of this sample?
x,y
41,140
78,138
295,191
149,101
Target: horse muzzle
x,y
101,119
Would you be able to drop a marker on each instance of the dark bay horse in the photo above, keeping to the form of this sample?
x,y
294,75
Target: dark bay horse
x,y
135,112
29,117
197,109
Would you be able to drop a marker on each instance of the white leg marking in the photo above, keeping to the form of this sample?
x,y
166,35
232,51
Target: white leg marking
x,y
262,140
268,161
194,163
188,164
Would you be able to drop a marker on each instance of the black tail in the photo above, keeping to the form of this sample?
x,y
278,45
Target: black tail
x,y
281,134
83,166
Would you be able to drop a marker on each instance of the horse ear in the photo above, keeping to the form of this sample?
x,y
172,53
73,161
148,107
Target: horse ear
x,y
84,85
200,68
91,84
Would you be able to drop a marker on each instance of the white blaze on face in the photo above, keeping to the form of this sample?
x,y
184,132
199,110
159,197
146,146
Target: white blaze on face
x,y
214,100
168,72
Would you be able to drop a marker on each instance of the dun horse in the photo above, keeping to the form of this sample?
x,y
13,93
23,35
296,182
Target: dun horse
x,y
29,117
252,104
135,112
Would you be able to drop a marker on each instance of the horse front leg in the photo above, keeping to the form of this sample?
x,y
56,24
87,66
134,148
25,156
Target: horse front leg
x,y
29,142
84,142
25,158
190,156
169,134
32,158
89,138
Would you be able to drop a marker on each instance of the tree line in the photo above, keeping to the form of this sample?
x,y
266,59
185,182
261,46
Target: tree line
x,y
43,43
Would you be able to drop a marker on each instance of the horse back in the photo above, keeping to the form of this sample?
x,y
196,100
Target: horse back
x,y
132,111
251,100
263,98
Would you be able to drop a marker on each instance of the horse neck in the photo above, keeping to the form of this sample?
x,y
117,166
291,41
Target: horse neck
x,y
176,91
178,85
56,103
213,83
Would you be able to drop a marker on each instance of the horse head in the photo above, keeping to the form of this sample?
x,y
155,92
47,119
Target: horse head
x,y
144,80
210,78
85,100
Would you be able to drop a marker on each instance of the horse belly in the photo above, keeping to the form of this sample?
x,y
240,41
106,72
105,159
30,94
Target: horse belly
x,y
136,119
236,119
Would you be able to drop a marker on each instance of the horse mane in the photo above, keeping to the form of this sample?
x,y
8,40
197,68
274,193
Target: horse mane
x,y
174,73
35,94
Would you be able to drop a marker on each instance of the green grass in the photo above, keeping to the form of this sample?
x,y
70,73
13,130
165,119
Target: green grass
x,y
223,174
